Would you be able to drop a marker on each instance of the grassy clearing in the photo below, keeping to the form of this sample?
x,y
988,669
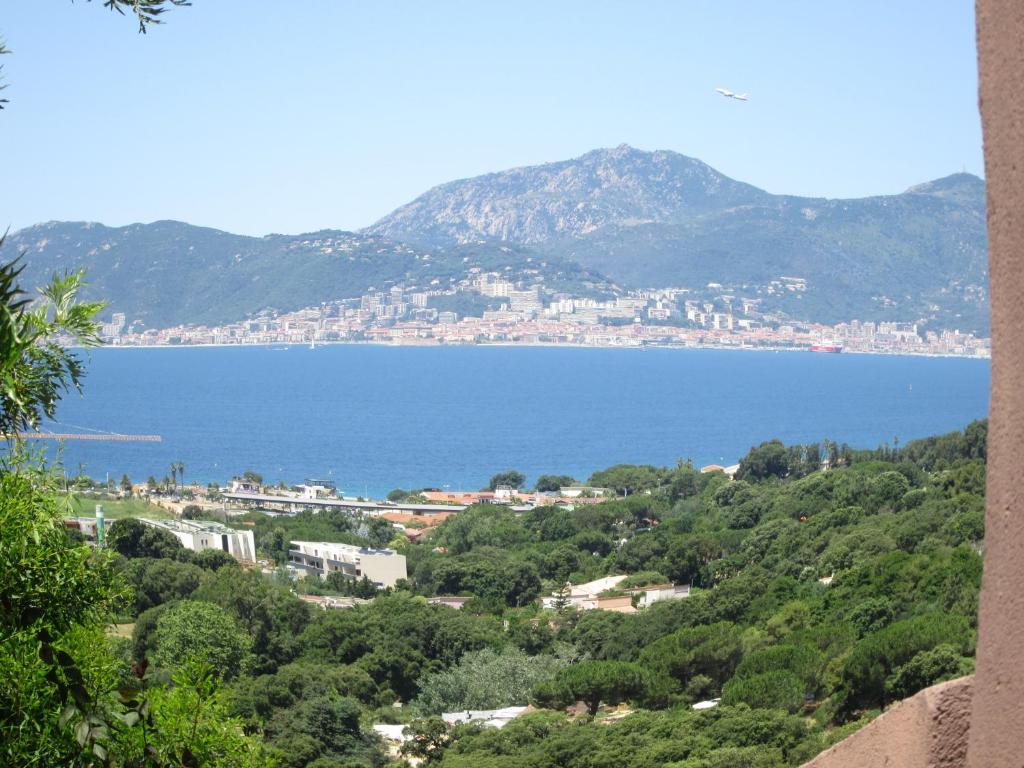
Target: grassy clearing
x,y
121,630
114,509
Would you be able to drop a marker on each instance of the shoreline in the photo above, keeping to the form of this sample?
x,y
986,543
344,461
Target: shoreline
x,y
283,346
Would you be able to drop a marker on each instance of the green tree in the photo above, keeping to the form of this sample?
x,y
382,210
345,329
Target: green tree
x,y
331,720
268,613
35,368
429,737
803,661
258,698
214,559
159,581
511,478
881,655
194,512
131,538
552,483
778,689
594,682
943,662
711,650
770,459
485,679
126,485
482,525
199,631
377,532
187,724
57,597
627,479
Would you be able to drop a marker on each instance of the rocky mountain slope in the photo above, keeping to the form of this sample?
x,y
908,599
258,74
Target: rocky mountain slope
x,y
651,219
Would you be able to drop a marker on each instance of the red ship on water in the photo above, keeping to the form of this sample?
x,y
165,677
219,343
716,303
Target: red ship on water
x,y
826,348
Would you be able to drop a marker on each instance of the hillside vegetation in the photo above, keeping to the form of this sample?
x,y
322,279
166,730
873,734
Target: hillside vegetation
x,y
820,597
169,273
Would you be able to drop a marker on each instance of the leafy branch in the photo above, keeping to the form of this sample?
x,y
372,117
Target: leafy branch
x,y
146,11
36,364
3,49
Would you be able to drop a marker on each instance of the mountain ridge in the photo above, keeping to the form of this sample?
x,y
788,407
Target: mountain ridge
x,y
608,220
171,273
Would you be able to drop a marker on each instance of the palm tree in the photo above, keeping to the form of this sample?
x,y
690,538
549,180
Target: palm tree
x,y
177,474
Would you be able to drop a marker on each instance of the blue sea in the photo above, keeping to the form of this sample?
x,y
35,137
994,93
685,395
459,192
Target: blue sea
x,y
373,418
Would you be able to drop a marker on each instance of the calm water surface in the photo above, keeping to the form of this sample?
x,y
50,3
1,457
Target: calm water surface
x,y
373,418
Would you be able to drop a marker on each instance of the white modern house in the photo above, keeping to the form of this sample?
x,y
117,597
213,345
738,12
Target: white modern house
x,y
198,535
239,485
655,594
383,567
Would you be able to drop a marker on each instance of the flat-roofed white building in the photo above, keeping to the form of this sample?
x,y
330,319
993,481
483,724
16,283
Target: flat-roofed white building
x,y
384,567
575,491
198,535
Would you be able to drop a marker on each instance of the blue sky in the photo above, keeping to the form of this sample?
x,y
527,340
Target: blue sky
x,y
260,116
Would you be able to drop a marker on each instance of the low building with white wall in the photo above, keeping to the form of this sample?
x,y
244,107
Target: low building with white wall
x,y
384,567
588,597
198,535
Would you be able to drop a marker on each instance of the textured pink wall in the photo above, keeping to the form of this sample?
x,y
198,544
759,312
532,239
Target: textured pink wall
x,y
997,720
929,729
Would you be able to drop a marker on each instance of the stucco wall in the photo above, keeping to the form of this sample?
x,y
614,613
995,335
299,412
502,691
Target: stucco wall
x,y
929,729
997,722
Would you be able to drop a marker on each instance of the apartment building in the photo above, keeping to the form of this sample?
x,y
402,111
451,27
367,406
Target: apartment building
x,y
383,567
198,535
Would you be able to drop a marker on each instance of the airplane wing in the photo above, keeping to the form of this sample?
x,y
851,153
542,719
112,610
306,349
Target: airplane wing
x,y
741,97
724,92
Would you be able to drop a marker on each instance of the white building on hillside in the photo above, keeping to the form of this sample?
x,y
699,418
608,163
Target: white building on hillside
x,y
384,567
198,535
588,597
576,491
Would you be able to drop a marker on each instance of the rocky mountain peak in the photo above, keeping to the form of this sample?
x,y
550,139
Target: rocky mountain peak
x,y
620,186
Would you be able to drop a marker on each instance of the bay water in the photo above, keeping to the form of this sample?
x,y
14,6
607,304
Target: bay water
x,y
373,418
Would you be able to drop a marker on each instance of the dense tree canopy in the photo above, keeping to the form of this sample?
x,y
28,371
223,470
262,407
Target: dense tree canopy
x,y
551,483
827,591
131,538
198,631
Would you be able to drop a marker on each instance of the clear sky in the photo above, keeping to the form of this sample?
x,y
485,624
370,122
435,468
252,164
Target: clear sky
x,y
260,116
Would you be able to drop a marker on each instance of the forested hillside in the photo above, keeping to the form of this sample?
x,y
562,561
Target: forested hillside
x,y
169,273
820,597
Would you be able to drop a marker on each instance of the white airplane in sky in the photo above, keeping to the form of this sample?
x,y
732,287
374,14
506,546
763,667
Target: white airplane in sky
x,y
731,95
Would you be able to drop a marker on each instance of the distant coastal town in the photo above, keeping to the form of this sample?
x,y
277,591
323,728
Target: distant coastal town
x,y
666,317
